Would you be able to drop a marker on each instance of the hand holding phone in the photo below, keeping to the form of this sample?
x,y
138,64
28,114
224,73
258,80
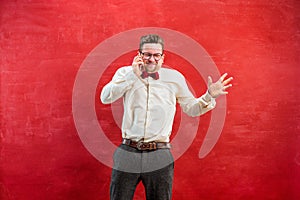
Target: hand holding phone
x,y
138,65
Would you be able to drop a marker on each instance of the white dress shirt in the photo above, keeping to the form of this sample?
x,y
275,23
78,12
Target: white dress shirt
x,y
149,109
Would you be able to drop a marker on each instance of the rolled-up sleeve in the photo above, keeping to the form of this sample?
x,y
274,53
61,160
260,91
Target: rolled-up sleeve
x,y
206,102
190,105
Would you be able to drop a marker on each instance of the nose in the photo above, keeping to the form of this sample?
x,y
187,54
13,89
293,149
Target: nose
x,y
152,58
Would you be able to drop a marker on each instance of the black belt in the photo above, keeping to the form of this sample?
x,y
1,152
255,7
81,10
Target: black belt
x,y
142,146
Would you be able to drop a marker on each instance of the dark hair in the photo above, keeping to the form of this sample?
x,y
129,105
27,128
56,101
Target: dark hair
x,y
151,38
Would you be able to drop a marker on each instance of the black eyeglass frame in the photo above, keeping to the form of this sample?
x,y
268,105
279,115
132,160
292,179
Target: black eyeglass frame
x,y
150,55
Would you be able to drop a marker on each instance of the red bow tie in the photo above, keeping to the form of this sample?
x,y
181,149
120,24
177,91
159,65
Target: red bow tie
x,y
153,75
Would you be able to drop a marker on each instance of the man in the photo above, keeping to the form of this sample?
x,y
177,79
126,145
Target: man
x,y
150,94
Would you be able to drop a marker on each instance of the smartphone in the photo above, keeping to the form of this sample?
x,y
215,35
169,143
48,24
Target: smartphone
x,y
141,65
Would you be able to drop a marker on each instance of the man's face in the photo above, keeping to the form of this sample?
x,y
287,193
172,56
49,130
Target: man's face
x,y
152,56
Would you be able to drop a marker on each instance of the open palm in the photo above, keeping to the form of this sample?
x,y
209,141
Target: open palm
x,y
219,88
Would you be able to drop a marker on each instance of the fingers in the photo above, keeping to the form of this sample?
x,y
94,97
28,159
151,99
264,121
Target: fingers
x,y
224,93
227,86
221,80
227,81
137,61
137,65
219,88
223,77
209,80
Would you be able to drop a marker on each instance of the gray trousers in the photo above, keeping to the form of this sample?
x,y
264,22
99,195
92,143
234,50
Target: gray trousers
x,y
154,168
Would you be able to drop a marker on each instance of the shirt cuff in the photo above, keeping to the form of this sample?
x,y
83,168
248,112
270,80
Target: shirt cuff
x,y
207,100
207,97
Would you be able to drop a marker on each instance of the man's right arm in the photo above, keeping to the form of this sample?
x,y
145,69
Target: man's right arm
x,y
121,82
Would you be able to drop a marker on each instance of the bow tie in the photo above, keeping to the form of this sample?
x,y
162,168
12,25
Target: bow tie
x,y
153,75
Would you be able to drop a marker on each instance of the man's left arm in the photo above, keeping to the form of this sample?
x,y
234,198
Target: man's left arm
x,y
199,106
214,90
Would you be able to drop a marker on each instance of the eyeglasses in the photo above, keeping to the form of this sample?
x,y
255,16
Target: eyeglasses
x,y
147,56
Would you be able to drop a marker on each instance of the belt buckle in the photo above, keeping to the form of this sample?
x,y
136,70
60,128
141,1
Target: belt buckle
x,y
146,145
139,145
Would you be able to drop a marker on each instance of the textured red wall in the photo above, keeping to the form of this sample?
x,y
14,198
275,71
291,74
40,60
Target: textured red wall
x,y
43,44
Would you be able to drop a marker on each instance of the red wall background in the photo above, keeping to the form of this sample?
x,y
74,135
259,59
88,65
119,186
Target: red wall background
x,y
43,44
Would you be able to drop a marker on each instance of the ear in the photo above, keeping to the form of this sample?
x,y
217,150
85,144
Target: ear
x,y
163,58
161,61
